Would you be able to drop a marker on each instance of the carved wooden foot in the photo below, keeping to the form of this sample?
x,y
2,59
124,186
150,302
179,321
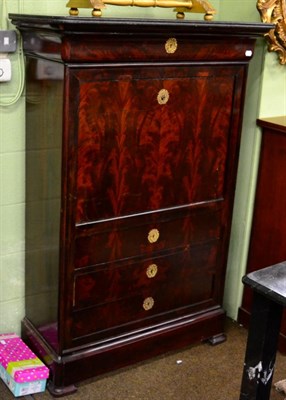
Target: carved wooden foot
x,y
217,339
60,391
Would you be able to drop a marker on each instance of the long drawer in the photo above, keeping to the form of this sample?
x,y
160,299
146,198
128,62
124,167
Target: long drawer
x,y
125,279
147,234
127,314
160,48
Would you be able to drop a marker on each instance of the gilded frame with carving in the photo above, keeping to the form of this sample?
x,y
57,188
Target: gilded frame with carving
x,y
274,11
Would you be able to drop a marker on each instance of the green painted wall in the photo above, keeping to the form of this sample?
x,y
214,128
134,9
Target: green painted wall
x,y
265,97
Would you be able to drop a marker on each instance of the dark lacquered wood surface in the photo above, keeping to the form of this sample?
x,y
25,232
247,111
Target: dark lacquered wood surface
x,y
268,243
144,176
134,143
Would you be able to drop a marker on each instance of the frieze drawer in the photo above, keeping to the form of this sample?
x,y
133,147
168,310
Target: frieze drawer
x,y
165,48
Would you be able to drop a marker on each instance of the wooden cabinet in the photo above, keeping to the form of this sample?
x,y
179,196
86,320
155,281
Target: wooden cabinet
x,y
268,236
133,131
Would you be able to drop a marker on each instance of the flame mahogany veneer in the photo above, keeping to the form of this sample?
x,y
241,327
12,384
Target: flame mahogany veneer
x,y
133,130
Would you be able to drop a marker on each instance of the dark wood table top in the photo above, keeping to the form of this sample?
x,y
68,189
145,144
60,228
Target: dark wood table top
x,y
276,123
270,282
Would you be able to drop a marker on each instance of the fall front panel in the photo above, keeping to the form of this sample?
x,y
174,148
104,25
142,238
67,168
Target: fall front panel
x,y
150,139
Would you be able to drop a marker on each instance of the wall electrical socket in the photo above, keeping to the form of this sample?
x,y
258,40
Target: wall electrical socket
x,y
5,70
8,41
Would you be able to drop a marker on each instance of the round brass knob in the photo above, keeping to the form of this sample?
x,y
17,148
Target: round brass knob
x,y
73,11
171,45
153,236
163,96
96,12
180,15
148,303
152,270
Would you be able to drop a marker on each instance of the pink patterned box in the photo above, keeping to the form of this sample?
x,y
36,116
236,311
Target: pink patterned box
x,y
20,369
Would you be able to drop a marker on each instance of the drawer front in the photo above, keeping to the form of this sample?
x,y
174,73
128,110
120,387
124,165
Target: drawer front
x,y
155,48
140,146
125,315
184,281
110,242
123,280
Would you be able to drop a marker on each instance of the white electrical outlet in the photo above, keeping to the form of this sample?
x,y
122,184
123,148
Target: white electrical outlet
x,y
5,70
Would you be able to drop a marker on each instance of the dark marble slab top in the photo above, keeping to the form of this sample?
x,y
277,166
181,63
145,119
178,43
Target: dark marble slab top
x,y
270,282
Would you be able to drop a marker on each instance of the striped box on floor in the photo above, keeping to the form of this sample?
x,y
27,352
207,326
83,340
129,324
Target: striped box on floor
x,y
20,369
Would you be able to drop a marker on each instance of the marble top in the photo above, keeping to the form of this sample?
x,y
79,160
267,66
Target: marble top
x,y
270,282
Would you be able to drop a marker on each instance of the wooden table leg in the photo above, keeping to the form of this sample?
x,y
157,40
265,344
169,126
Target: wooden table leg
x,y
261,348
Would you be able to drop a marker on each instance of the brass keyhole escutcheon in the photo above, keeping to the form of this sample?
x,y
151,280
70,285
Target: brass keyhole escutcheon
x,y
171,45
152,270
153,236
148,303
163,96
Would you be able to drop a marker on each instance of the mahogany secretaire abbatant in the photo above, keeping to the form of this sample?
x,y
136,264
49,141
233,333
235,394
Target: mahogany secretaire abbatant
x,y
132,143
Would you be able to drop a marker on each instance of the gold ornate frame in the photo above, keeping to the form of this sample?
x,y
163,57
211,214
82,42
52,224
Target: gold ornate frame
x,y
274,11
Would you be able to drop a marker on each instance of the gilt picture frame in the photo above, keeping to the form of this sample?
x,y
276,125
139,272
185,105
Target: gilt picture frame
x,y
274,11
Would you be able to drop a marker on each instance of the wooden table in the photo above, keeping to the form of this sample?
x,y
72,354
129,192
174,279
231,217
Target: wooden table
x,y
268,233
269,299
